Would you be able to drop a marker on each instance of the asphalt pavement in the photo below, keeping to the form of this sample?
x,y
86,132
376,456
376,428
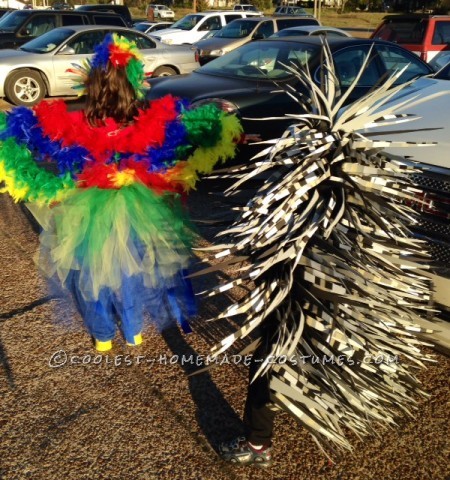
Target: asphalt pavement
x,y
137,413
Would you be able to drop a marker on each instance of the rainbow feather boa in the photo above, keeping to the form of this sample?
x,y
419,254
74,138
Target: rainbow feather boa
x,y
166,149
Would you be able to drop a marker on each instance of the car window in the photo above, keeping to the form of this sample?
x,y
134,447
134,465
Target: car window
x,y
49,41
188,22
38,25
229,18
264,60
237,29
348,63
265,29
142,27
444,74
85,42
395,58
13,20
210,23
117,20
441,33
407,31
68,20
141,41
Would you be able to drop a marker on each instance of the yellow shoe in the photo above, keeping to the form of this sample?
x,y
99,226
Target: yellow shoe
x,y
137,340
103,346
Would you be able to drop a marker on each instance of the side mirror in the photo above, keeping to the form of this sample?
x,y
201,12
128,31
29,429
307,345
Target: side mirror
x,y
66,50
258,36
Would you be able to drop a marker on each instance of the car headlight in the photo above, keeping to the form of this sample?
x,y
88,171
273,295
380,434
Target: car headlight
x,y
217,53
167,41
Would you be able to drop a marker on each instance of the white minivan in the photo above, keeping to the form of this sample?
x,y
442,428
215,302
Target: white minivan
x,y
193,27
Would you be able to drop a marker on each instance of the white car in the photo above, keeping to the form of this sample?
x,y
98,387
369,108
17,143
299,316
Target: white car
x,y
311,30
432,106
38,68
162,11
193,27
151,27
247,7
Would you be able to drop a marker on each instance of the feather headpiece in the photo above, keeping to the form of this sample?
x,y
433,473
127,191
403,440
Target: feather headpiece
x,y
120,53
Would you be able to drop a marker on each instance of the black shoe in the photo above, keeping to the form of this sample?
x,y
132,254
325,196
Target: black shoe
x,y
240,452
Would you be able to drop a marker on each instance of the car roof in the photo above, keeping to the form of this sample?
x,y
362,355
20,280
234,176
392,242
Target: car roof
x,y
82,28
312,28
334,42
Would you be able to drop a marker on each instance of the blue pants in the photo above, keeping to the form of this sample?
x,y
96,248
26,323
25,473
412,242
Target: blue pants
x,y
102,317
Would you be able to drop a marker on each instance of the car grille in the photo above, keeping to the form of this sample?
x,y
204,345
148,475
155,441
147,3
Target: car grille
x,y
433,219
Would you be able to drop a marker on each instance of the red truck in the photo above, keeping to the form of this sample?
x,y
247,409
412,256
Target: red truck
x,y
424,34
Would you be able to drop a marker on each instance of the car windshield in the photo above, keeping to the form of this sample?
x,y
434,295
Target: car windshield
x,y
48,42
142,27
10,22
265,60
237,29
188,22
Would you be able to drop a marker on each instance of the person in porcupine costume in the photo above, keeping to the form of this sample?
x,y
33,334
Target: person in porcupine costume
x,y
114,229
332,311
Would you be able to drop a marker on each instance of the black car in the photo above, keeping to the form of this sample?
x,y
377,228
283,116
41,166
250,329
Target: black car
x,y
21,26
253,79
121,10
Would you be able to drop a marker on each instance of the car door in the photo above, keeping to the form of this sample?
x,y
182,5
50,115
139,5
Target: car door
x,y
75,51
153,57
36,26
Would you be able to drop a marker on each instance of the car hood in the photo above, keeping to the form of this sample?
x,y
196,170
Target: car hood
x,y
187,86
168,31
433,124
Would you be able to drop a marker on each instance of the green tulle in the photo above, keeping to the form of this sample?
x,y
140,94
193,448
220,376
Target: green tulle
x,y
108,233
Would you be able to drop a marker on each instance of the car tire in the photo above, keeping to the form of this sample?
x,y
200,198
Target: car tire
x,y
164,72
25,87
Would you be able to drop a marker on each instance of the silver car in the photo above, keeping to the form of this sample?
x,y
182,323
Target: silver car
x,y
38,68
432,125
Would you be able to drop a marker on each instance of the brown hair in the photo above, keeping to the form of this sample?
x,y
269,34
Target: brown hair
x,y
110,94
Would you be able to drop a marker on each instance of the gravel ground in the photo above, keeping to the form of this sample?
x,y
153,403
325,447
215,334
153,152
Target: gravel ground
x,y
137,414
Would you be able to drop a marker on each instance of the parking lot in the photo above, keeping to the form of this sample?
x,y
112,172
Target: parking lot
x,y
68,412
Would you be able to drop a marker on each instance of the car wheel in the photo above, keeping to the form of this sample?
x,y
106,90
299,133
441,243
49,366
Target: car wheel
x,y
25,87
164,72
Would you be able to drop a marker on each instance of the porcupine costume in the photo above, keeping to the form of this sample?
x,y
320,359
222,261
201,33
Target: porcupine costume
x,y
324,242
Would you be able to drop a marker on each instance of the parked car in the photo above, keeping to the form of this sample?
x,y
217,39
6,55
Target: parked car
x,y
21,26
247,7
240,32
243,81
121,10
162,11
433,208
425,35
151,27
38,69
290,10
311,30
62,6
193,27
